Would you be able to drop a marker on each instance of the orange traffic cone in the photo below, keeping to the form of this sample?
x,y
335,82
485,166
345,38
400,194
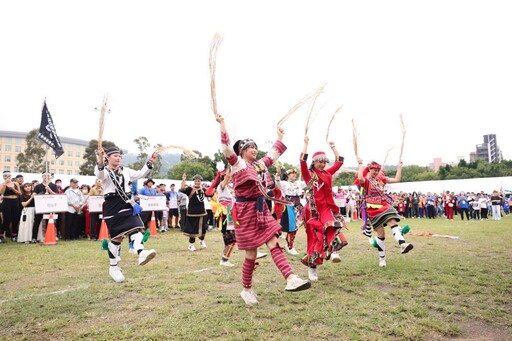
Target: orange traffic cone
x,y
354,216
152,225
103,231
50,237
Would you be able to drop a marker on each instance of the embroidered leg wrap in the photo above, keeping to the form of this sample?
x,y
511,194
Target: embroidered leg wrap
x,y
397,234
113,251
290,238
247,271
311,261
138,244
227,250
381,246
281,261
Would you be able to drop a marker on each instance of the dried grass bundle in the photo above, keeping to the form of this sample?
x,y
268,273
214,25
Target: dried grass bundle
x,y
347,170
386,157
402,125
315,95
354,138
103,111
185,151
300,103
216,41
330,122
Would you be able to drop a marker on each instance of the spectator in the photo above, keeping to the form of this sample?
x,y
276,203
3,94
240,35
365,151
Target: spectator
x,y
11,209
174,213
496,205
27,214
45,187
462,204
74,215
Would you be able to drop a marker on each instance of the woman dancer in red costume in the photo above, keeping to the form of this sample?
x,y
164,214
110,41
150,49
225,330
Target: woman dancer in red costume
x,y
322,216
255,225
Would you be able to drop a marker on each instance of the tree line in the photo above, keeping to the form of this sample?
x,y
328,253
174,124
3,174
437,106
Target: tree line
x,y
33,158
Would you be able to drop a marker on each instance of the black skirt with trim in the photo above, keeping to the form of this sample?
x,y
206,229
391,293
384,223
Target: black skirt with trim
x,y
119,217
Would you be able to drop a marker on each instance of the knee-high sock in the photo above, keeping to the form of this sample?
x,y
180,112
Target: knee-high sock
x,y
227,250
397,234
191,240
281,261
113,251
381,246
138,244
290,238
247,271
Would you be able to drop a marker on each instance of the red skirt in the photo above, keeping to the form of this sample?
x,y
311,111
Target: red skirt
x,y
254,228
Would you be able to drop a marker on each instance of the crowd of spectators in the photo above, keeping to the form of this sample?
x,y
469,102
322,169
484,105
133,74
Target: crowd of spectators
x,y
19,221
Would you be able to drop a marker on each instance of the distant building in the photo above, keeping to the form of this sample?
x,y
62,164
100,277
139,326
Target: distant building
x,y
12,143
488,151
436,164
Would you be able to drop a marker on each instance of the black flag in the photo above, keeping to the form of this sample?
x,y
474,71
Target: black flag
x,y
48,134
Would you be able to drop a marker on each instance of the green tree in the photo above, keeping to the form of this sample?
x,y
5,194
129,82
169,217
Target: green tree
x,y
191,168
142,145
33,158
87,168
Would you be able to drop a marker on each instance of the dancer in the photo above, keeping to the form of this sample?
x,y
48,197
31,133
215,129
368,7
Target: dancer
x,y
322,216
195,222
291,214
254,225
223,217
378,207
119,210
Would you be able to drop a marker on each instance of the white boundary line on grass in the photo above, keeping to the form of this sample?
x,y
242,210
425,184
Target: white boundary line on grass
x,y
58,292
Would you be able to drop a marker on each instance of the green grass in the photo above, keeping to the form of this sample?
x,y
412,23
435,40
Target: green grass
x,y
442,289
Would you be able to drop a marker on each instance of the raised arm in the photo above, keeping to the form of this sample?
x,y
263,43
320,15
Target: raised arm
x,y
338,160
304,171
398,175
227,150
360,175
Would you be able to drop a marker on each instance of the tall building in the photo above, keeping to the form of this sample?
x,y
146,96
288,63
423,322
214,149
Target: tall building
x,y
12,143
488,151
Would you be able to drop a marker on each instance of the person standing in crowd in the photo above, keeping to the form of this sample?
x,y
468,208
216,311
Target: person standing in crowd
x,y
74,215
496,200
147,190
378,208
292,192
340,199
182,204
255,225
45,187
95,221
195,223
27,214
431,206
484,205
476,207
351,204
322,217
448,205
463,206
174,213
159,215
208,207
118,207
11,209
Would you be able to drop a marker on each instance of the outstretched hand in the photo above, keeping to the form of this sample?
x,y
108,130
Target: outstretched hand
x,y
280,133
219,118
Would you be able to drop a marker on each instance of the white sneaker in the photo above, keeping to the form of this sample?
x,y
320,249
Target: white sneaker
x,y
249,297
116,274
295,283
226,263
191,247
382,262
292,251
313,274
203,244
261,255
405,247
146,255
335,257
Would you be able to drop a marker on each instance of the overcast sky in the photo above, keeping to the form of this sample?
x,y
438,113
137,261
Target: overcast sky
x,y
446,66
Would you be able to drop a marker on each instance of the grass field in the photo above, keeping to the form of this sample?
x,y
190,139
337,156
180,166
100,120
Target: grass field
x,y
444,289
